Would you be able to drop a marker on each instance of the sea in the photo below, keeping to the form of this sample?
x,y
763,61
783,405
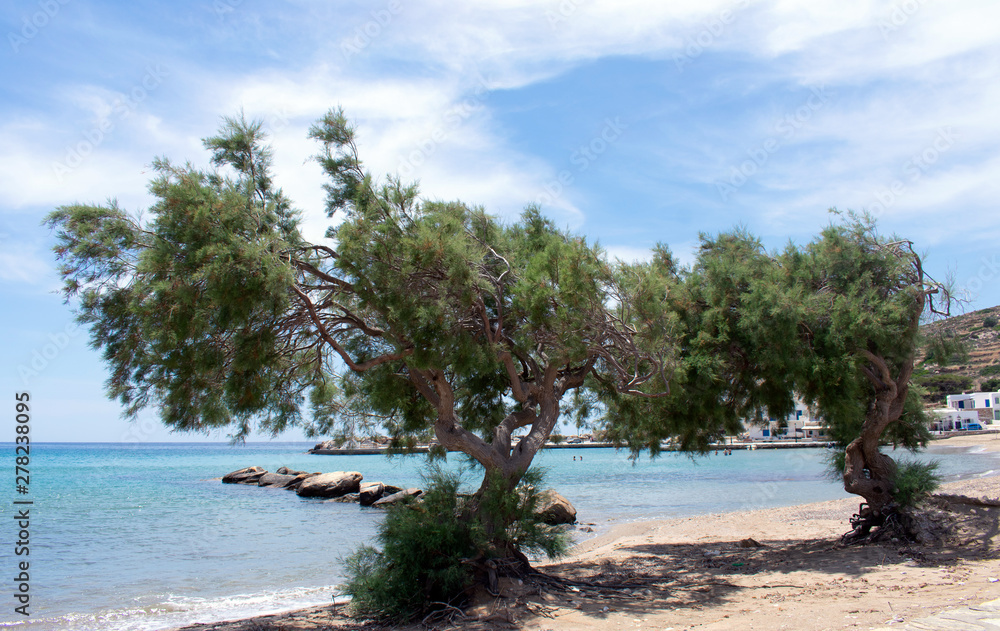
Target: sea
x,y
139,537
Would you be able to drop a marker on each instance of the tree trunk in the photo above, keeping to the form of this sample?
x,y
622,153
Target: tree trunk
x,y
867,471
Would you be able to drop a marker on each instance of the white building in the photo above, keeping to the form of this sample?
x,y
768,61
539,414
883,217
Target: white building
x,y
987,402
951,419
800,424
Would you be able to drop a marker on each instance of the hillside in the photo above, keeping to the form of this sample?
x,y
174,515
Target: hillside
x,y
972,373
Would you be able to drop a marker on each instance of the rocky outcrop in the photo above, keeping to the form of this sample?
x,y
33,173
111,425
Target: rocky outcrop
x,y
399,497
326,445
346,486
275,479
295,483
555,509
287,471
370,493
250,475
330,484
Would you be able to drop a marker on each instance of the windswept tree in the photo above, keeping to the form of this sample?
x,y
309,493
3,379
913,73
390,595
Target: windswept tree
x,y
834,322
413,314
863,296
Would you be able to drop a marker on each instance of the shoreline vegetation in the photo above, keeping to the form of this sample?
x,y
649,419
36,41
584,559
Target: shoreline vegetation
x,y
771,569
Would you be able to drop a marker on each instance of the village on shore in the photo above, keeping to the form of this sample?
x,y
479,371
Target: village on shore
x,y
974,412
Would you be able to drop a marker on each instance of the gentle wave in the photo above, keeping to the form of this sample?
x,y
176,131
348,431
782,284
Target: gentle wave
x,y
175,612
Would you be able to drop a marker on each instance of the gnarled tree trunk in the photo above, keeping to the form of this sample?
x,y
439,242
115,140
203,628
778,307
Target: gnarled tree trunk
x,y
867,471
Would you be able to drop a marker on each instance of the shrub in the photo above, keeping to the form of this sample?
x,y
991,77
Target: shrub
x,y
914,481
519,510
426,546
989,322
937,387
990,370
990,385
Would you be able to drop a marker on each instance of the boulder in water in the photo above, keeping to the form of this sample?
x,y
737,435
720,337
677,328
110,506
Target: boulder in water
x,y
555,509
330,484
250,475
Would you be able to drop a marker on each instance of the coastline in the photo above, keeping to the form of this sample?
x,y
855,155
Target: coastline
x,y
696,573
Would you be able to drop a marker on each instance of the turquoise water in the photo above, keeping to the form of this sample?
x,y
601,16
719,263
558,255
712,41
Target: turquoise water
x,y
145,536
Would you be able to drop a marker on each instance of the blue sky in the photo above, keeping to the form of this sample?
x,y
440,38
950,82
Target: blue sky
x,y
631,122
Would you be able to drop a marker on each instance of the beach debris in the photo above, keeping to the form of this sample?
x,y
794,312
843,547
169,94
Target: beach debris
x,y
750,542
332,484
993,579
708,553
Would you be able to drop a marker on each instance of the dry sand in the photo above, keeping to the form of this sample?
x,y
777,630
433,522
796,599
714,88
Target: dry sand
x,y
771,569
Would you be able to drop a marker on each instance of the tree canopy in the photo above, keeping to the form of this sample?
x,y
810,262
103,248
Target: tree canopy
x,y
427,316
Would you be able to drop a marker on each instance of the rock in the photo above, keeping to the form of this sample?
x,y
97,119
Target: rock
x,y
275,479
250,475
391,490
325,445
297,481
555,509
370,493
749,542
287,471
330,484
398,497
347,499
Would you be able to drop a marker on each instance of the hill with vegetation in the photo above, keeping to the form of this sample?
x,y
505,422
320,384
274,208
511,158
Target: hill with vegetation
x,y
960,354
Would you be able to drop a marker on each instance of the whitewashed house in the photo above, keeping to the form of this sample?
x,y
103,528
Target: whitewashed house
x,y
799,425
952,419
986,405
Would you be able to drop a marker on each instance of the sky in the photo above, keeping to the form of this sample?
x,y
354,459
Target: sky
x,y
631,122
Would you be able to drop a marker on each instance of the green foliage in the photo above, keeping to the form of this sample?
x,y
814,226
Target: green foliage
x,y
945,349
428,547
736,330
421,562
836,460
938,387
989,322
517,513
185,306
990,385
914,481
990,370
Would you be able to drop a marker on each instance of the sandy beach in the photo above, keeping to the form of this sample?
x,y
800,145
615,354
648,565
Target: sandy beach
x,y
771,569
